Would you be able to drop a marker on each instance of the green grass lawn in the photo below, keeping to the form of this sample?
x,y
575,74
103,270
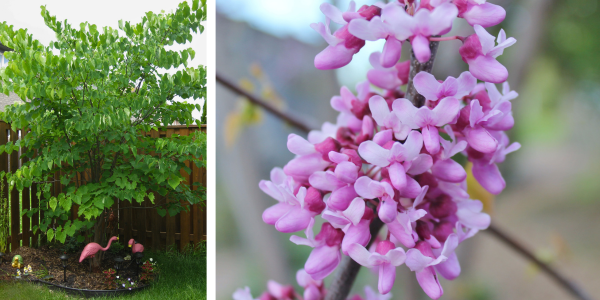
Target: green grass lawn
x,y
181,277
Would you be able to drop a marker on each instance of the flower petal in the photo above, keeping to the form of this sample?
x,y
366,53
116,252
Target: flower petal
x,y
388,210
446,111
391,52
489,177
272,214
420,45
355,210
374,154
427,85
486,15
295,219
397,175
431,139
360,255
488,69
387,276
429,283
322,261
449,170
480,139
340,199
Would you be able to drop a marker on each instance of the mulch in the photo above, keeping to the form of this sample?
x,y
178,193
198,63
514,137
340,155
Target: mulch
x,y
78,274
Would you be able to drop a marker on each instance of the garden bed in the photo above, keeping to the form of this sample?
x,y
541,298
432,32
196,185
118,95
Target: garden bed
x,y
78,275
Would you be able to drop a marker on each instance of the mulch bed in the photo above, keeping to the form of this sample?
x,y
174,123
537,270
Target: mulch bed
x,y
78,274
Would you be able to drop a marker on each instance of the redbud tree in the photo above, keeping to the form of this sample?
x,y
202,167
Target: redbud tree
x,y
384,177
87,99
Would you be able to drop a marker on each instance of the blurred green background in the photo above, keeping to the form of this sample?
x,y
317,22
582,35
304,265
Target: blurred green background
x,y
551,203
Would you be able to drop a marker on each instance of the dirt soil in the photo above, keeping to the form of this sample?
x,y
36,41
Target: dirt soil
x,y
78,274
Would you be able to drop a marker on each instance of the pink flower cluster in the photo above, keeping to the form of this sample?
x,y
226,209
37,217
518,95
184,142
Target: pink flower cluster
x,y
414,22
313,290
387,160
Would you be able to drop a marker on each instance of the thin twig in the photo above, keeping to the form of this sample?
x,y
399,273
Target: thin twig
x,y
267,106
347,268
559,278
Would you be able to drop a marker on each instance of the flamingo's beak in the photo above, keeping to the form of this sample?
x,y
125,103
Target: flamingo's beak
x,y
129,246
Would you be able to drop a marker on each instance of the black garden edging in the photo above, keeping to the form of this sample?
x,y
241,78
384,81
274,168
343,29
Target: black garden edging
x,y
92,293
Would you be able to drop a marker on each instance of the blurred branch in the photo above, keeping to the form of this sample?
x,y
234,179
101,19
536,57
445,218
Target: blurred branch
x,y
262,103
348,268
559,278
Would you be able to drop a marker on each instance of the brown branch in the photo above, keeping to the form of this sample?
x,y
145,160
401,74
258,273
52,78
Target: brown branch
x,y
415,67
348,269
267,106
554,274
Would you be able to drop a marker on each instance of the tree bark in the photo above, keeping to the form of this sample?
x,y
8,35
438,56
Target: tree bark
x,y
416,67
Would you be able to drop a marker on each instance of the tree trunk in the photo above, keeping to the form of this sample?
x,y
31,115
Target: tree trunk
x,y
100,239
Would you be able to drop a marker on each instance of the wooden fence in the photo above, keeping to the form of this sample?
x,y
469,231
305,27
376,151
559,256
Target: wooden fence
x,y
144,225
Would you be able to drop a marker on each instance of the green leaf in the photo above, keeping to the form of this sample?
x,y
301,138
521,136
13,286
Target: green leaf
x,y
161,212
65,203
174,182
61,236
50,234
53,203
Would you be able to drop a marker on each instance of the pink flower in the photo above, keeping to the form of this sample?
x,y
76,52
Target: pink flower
x,y
386,119
387,257
485,169
469,214
422,261
279,291
293,212
310,158
427,119
400,159
342,44
397,25
433,90
313,289
480,52
388,78
325,256
477,12
340,182
242,294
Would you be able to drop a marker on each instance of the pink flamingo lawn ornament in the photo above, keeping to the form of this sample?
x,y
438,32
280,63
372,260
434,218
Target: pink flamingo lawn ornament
x,y
91,249
135,246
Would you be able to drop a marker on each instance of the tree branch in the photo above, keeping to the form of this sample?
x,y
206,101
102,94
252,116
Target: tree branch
x,y
260,102
554,274
348,269
415,67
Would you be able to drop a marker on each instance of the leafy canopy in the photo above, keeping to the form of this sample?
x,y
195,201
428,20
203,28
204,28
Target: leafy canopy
x,y
87,99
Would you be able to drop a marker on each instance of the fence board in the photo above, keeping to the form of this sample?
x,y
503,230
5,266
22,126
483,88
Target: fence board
x,y
170,219
26,221
15,229
4,167
184,218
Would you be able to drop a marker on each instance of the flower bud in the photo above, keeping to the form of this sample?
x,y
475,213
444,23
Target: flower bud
x,y
326,146
314,200
330,235
384,247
